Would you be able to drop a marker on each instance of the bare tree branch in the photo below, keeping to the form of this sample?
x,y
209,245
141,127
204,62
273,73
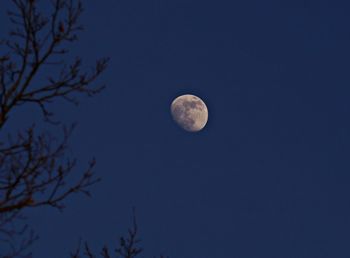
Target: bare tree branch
x,y
33,173
128,246
37,41
35,169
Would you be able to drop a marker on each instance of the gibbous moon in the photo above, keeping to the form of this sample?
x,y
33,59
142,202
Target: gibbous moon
x,y
189,112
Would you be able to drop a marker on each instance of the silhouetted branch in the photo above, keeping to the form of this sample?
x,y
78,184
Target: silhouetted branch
x,y
128,246
36,41
34,172
17,248
34,168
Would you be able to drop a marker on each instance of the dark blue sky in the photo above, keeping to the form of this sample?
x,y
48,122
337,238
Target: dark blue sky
x,y
269,177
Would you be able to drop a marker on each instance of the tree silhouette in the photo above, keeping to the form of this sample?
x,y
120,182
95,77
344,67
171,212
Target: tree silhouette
x,y
128,246
35,170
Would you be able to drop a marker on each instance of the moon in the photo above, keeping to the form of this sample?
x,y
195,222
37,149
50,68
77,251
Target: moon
x,y
189,112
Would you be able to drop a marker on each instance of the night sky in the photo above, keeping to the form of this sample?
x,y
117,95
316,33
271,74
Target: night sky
x,y
268,177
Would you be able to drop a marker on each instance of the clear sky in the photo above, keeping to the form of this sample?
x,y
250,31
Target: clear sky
x,y
269,176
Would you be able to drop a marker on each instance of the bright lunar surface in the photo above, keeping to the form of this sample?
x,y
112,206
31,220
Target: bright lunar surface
x,y
189,112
